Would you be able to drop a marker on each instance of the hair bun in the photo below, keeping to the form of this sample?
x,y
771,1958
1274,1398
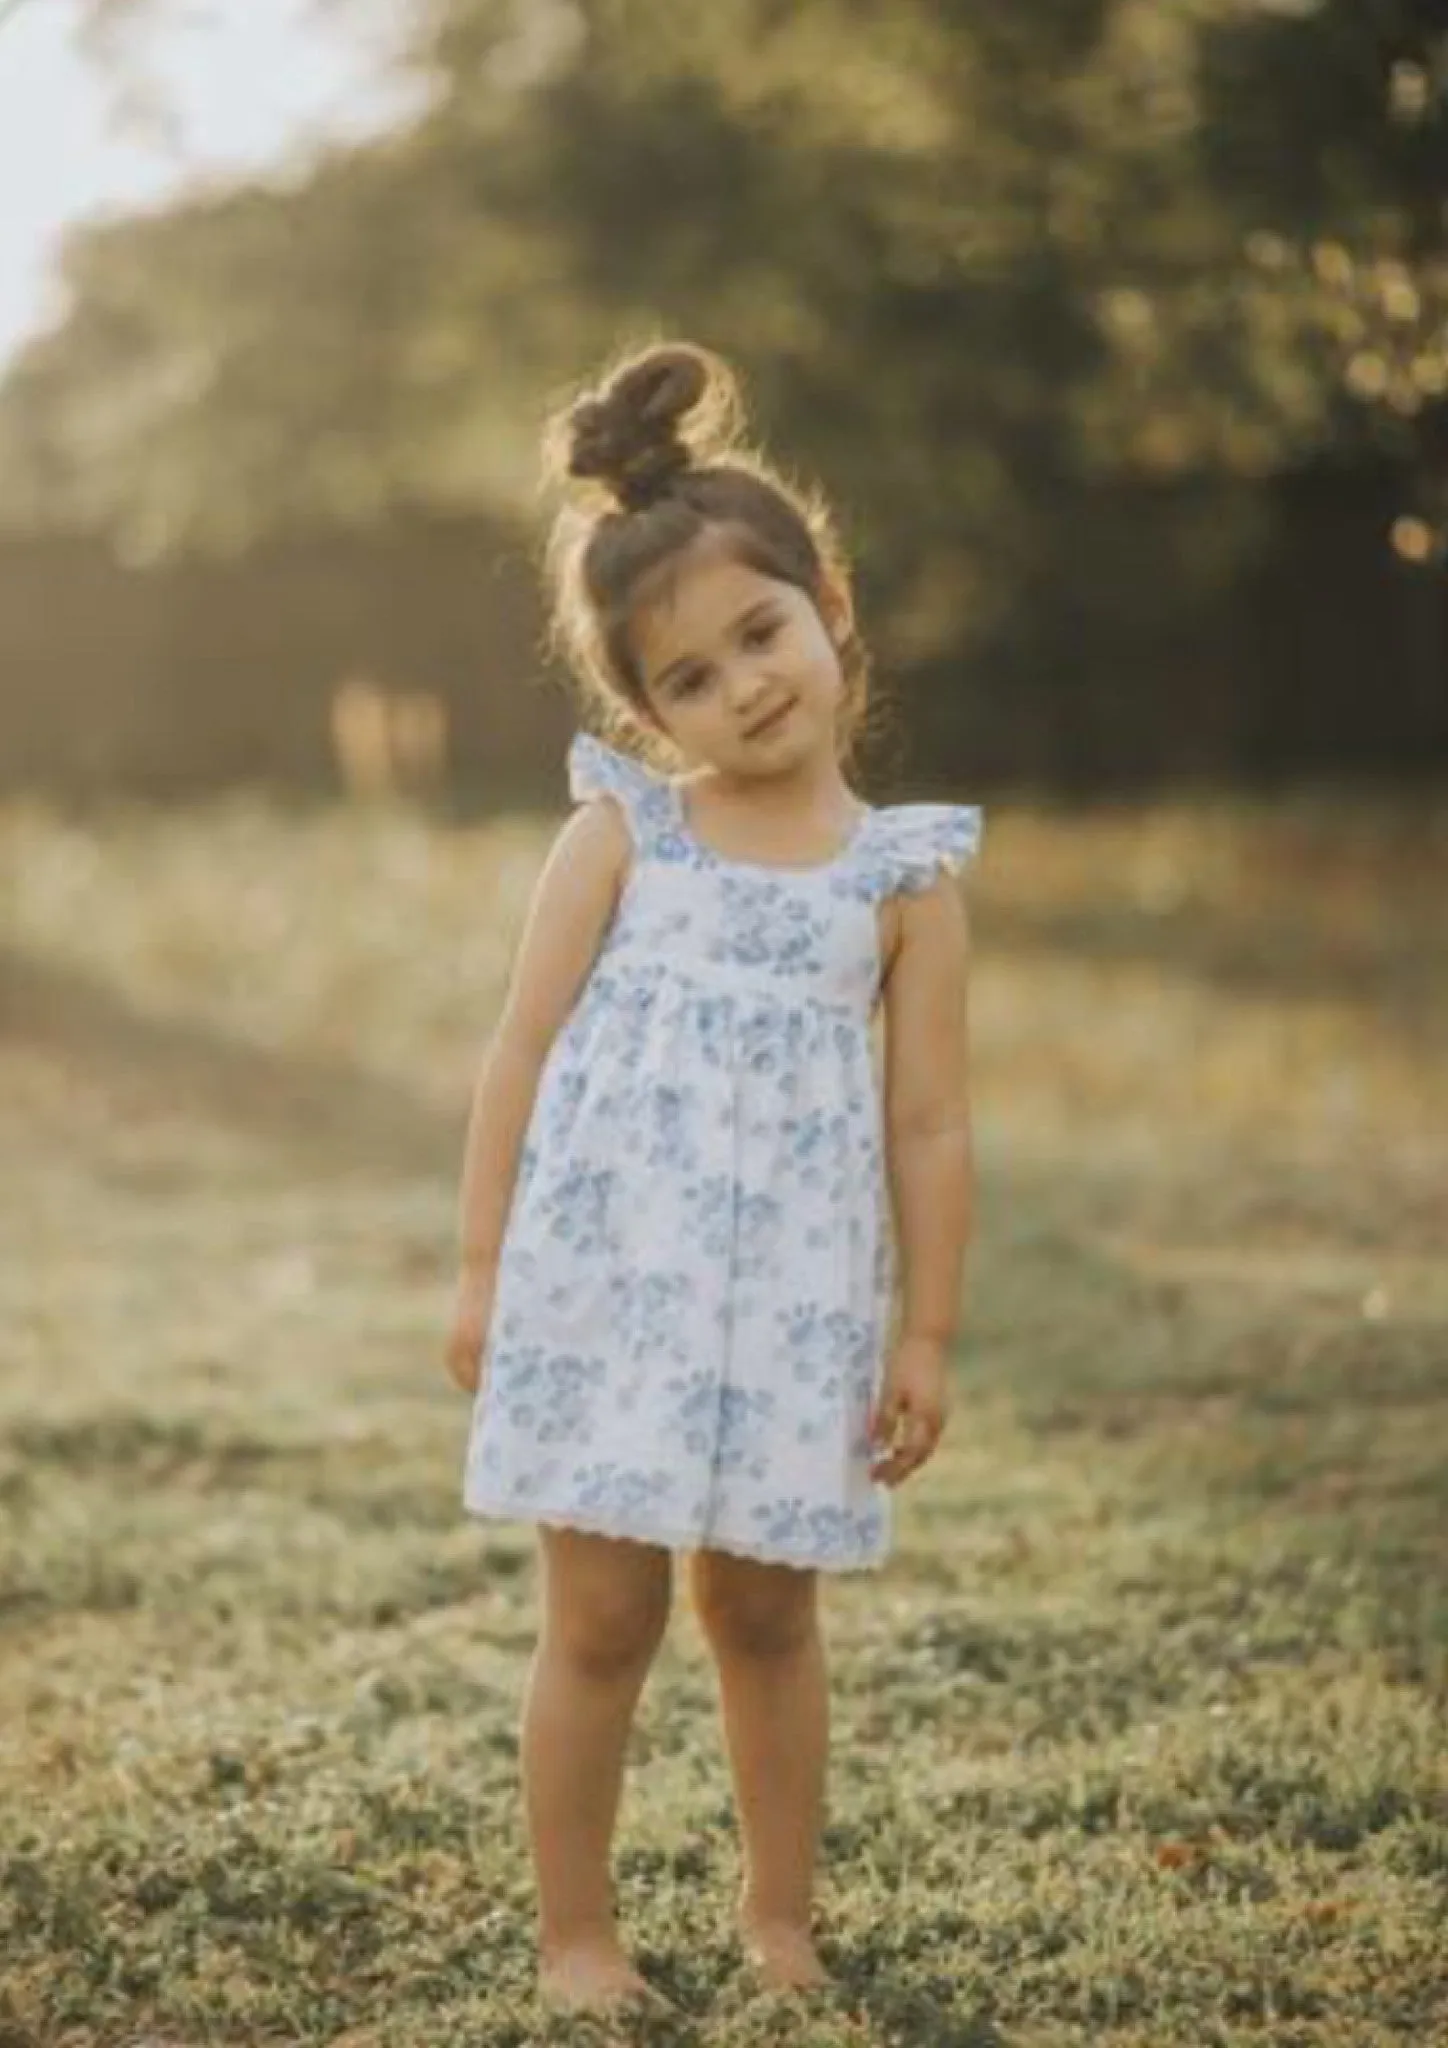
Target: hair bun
x,y
630,436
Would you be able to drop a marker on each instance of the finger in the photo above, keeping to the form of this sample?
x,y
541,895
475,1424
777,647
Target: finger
x,y
895,1470
893,1422
464,1367
904,1425
916,1445
891,1464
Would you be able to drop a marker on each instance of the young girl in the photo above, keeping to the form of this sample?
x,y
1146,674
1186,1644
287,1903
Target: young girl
x,y
678,1322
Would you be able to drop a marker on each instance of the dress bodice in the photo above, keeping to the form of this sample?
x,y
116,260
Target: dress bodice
x,y
694,1299
799,934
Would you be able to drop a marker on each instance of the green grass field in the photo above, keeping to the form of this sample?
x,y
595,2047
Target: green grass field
x,y
1139,1739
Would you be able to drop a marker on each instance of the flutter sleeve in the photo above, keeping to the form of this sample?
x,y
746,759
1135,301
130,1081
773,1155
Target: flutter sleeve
x,y
597,769
916,842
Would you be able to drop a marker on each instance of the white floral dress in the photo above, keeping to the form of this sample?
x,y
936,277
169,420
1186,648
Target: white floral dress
x,y
695,1284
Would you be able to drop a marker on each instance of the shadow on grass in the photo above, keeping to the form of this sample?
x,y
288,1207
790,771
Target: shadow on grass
x,y
334,1117
1295,1442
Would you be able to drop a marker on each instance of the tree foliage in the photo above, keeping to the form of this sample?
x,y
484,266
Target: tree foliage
x,y
974,260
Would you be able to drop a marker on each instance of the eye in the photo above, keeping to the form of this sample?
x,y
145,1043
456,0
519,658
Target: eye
x,y
690,683
761,632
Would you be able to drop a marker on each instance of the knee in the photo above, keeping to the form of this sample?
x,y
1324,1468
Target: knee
x,y
763,1611
610,1637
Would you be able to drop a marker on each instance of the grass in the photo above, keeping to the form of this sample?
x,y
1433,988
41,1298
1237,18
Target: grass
x,y
1138,1739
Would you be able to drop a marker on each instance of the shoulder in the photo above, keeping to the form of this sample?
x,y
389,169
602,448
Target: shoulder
x,y
595,826
914,862
931,920
592,848
911,845
602,777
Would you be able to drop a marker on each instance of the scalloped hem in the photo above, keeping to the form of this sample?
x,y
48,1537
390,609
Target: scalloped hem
x,y
664,1539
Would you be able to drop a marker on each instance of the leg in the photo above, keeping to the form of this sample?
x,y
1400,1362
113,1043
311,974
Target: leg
x,y
605,1606
761,1622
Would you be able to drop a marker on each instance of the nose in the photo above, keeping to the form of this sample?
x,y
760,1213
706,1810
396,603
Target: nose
x,y
747,686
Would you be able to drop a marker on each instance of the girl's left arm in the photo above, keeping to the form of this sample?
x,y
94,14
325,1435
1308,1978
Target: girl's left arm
x,y
930,1158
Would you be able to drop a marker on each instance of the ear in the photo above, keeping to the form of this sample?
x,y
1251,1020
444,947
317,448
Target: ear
x,y
836,607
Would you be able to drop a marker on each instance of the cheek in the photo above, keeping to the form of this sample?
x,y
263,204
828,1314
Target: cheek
x,y
819,654
690,714
815,633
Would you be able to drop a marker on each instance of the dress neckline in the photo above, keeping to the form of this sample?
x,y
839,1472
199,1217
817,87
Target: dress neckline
x,y
763,867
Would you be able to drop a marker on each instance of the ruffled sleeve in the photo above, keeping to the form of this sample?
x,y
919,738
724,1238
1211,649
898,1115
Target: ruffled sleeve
x,y
597,769
913,843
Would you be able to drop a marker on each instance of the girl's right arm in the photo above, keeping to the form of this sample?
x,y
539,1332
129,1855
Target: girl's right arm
x,y
572,906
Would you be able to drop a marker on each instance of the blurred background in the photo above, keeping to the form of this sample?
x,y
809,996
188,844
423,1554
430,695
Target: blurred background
x,y
1118,332
1117,328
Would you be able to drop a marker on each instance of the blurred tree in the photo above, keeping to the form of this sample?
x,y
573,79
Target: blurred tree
x,y
1325,129
974,260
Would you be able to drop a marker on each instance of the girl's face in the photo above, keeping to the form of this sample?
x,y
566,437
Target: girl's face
x,y
740,670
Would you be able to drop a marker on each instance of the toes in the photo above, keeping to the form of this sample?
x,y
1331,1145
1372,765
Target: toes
x,y
617,2002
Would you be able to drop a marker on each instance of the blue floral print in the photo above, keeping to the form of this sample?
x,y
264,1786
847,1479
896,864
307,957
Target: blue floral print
x,y
694,1289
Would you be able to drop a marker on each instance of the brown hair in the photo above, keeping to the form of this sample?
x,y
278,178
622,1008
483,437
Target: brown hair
x,y
656,450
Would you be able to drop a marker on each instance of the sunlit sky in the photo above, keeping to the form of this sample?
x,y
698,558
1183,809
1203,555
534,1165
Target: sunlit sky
x,y
249,82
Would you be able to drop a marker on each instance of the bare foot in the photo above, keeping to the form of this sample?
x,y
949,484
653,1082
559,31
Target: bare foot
x,y
783,1956
598,1980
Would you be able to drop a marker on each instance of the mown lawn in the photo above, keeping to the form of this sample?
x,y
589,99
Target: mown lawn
x,y
1140,1738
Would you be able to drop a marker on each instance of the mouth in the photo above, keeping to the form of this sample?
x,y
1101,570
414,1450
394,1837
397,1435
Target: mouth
x,y
767,725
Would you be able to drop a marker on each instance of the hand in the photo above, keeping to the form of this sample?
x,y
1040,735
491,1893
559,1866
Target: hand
x,y
908,1419
472,1313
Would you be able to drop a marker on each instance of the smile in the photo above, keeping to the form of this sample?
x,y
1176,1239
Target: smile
x,y
768,724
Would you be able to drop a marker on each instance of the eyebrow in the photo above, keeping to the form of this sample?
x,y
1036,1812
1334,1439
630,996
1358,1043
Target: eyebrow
x,y
683,662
